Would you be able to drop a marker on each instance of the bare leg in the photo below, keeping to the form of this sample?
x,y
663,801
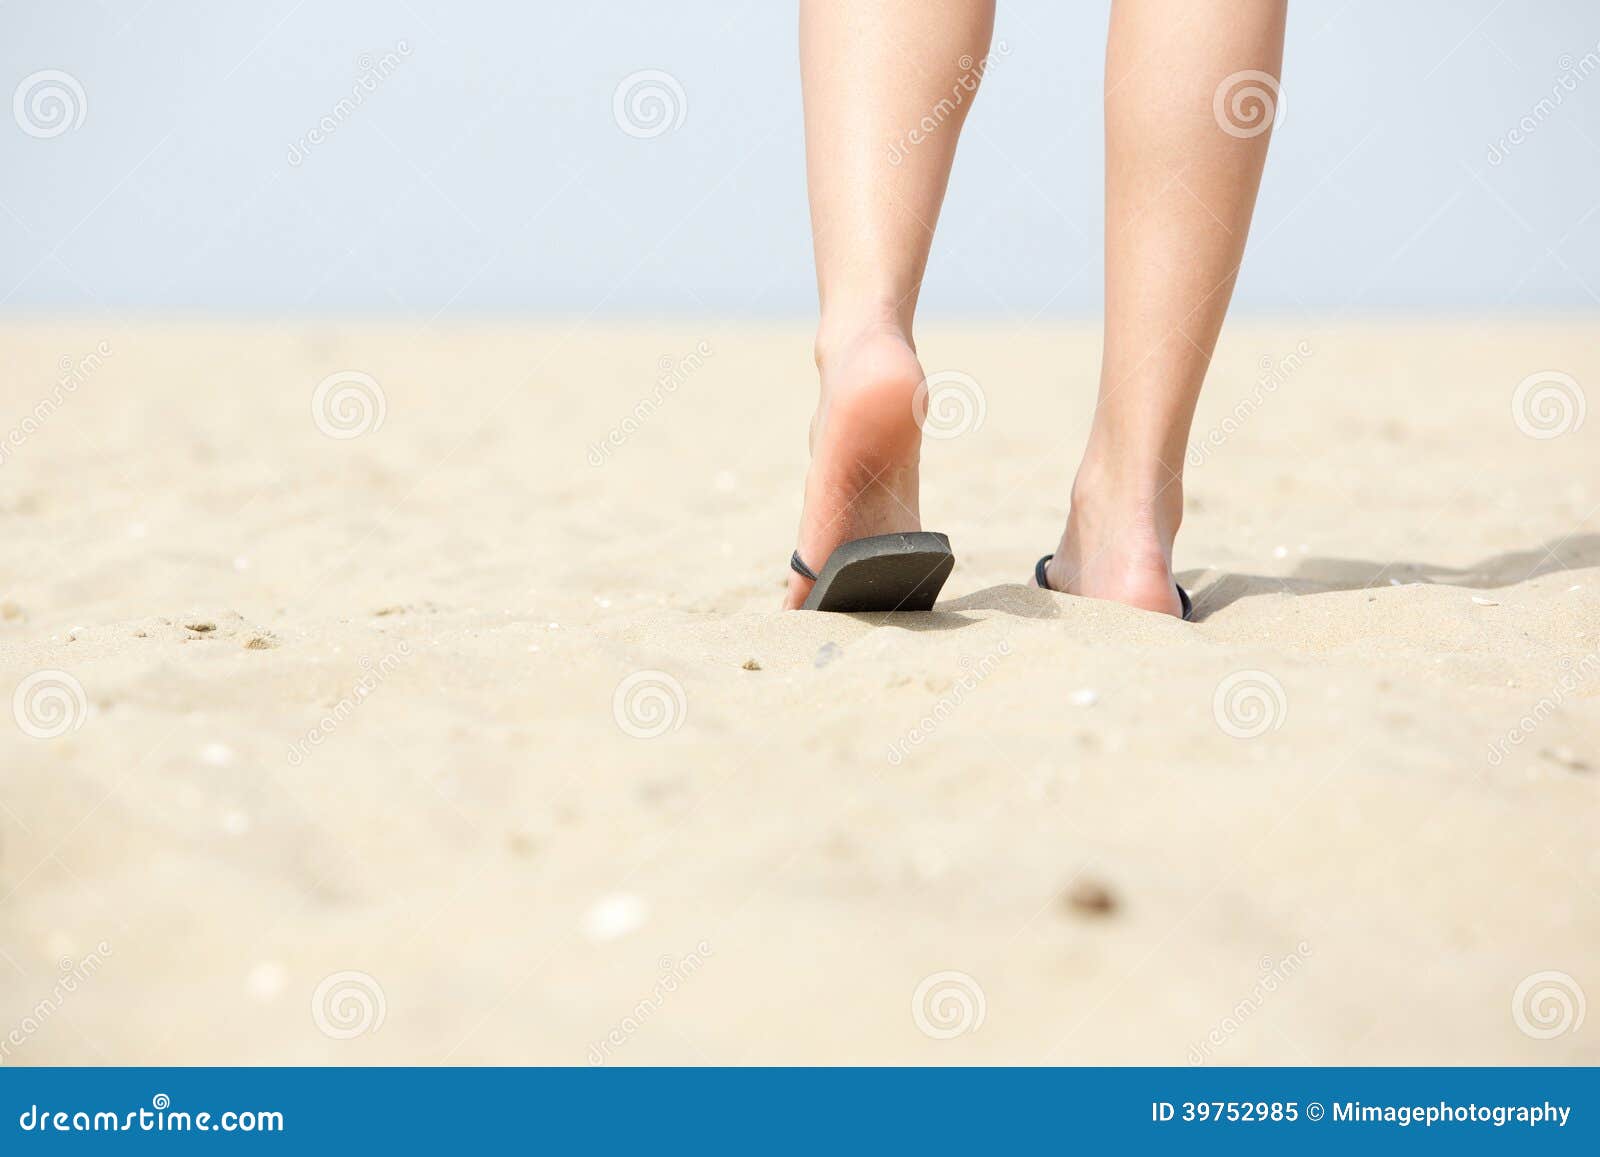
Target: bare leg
x,y
1180,190
887,86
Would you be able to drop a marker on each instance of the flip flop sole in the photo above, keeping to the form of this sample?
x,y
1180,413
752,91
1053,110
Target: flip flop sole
x,y
887,572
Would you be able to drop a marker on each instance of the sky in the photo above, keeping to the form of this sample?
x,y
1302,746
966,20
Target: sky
x,y
433,159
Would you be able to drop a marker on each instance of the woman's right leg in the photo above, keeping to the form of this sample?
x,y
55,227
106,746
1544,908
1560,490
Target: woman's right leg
x,y
887,85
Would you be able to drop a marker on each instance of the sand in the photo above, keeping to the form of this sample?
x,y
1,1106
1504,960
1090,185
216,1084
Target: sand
x,y
365,768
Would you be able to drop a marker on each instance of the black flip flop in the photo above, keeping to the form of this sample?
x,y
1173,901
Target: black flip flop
x,y
1044,584
887,572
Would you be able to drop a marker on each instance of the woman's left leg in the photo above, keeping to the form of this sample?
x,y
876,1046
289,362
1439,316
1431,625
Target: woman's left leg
x,y
1190,97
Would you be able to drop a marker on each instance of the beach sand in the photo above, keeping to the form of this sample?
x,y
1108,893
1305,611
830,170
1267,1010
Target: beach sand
x,y
365,766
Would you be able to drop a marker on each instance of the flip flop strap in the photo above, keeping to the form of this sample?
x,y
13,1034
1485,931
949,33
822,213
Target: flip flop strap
x,y
798,565
1039,577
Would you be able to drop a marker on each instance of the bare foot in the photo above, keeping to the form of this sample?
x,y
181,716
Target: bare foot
x,y
1118,543
865,448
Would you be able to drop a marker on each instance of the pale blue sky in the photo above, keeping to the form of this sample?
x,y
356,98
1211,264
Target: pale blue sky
x,y
487,173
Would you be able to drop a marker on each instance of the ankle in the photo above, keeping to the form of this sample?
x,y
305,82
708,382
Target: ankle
x,y
842,330
1145,499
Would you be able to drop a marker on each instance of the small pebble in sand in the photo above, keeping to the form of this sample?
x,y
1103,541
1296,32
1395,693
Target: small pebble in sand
x,y
236,823
1090,897
1280,552
201,626
10,611
613,916
1485,602
74,633
1084,697
260,643
216,755
1567,758
826,654
552,626
600,602
266,980
750,665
